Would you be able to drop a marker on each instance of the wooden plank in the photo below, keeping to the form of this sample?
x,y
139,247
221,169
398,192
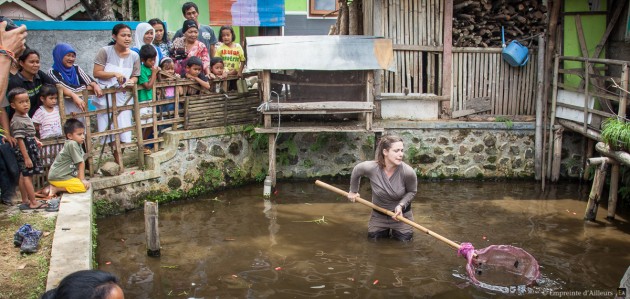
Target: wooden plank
x,y
413,97
462,113
298,107
493,118
493,82
479,104
447,54
315,129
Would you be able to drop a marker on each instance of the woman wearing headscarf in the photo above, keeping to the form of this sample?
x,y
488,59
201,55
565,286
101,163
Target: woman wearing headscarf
x,y
188,46
144,35
70,75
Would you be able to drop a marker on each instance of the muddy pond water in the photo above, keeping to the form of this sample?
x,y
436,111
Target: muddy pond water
x,y
307,242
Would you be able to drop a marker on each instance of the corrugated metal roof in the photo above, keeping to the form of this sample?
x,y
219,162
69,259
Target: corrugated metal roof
x,y
317,52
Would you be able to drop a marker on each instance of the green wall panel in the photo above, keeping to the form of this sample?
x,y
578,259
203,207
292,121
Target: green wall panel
x,y
593,26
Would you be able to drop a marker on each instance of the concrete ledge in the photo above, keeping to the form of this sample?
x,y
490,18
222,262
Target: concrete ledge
x,y
72,243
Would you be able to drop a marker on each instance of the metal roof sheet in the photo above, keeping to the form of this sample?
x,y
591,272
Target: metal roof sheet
x,y
320,52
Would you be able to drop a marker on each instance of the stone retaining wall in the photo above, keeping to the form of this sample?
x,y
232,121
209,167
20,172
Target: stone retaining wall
x,y
196,162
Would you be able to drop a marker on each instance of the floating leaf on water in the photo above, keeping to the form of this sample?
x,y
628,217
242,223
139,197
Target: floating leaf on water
x,y
331,268
229,239
108,263
169,267
318,287
278,268
375,282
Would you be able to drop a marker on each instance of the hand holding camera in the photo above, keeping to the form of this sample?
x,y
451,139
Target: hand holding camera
x,y
12,38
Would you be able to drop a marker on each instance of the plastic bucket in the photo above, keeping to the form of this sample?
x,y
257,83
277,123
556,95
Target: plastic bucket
x,y
516,54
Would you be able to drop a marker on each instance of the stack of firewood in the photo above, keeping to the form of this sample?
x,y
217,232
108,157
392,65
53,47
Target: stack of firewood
x,y
478,23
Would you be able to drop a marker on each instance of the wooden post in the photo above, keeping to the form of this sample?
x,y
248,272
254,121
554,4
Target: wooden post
x,y
369,85
596,192
557,155
614,189
447,57
590,146
136,116
623,101
539,108
151,228
117,149
554,98
62,103
88,134
176,112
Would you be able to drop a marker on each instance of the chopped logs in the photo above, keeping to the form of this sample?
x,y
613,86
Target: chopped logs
x,y
478,23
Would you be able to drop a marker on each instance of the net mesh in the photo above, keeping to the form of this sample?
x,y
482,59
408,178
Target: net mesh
x,y
501,265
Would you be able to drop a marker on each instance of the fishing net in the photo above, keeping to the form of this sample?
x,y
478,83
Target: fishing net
x,y
501,265
495,265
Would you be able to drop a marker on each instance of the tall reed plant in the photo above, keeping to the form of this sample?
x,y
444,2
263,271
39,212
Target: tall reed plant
x,y
616,133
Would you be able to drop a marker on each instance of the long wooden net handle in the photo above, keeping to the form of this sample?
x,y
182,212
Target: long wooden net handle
x,y
390,213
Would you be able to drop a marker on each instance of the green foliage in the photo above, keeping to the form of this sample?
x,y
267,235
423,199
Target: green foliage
x,y
508,122
616,133
308,163
104,207
413,155
287,151
258,141
322,139
260,177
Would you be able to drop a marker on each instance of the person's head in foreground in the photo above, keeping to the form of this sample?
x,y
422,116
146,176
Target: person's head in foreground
x,y
87,284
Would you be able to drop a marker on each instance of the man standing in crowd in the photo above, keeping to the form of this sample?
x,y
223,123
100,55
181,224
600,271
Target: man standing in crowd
x,y
206,34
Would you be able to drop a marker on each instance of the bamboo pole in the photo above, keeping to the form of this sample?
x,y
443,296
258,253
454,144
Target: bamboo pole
x,y
136,116
614,190
88,135
447,56
151,228
539,108
554,99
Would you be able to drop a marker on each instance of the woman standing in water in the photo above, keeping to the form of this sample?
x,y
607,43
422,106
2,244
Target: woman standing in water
x,y
394,185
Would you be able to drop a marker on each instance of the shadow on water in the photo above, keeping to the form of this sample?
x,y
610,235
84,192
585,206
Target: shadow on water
x,y
307,242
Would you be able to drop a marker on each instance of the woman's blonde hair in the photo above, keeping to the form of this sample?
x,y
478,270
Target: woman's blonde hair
x,y
385,143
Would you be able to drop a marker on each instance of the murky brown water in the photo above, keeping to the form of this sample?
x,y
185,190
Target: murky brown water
x,y
308,242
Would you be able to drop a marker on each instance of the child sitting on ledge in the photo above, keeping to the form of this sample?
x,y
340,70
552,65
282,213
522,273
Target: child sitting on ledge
x,y
67,173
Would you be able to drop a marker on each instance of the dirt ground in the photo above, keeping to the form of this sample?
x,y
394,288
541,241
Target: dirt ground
x,y
24,275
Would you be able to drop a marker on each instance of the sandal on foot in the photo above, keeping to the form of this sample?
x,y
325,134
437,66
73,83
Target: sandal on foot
x,y
25,207
147,151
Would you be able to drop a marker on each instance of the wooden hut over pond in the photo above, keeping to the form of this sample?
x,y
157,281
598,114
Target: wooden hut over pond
x,y
317,83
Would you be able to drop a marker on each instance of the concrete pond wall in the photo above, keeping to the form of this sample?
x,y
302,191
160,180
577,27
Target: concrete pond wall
x,y
198,162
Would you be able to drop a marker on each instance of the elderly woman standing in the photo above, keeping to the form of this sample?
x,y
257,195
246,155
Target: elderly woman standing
x,y
70,75
116,66
189,46
394,185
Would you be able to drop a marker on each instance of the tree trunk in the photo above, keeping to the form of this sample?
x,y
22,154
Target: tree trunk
x,y
343,17
353,18
99,10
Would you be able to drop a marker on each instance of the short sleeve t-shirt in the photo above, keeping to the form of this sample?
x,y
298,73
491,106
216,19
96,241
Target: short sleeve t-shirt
x,y
232,56
22,126
66,163
107,55
32,87
50,122
145,75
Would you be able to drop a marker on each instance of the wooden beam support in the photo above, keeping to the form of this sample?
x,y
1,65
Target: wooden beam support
x,y
447,57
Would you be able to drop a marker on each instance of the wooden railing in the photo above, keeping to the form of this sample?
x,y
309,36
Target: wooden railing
x,y
207,109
